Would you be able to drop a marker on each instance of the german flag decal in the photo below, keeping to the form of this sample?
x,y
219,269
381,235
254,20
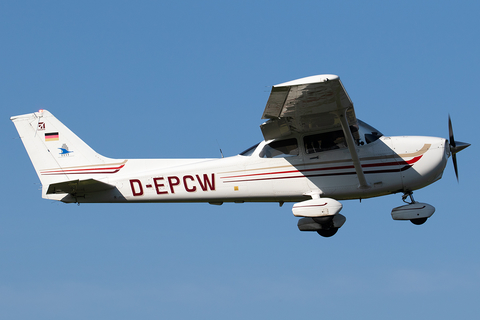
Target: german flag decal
x,y
53,136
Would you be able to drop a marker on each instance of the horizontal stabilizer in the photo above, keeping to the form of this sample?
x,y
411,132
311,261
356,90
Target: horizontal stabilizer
x,y
78,187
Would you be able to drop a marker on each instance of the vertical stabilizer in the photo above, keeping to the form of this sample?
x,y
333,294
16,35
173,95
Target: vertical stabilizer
x,y
57,153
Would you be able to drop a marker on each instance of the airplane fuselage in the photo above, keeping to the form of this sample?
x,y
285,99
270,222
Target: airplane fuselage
x,y
391,164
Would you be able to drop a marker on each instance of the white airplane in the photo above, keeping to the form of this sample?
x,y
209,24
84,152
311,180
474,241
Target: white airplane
x,y
315,152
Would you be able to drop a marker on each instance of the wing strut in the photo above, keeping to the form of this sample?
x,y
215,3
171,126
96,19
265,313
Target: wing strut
x,y
341,115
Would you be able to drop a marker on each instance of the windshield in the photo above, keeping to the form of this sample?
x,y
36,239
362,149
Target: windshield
x,y
368,134
249,151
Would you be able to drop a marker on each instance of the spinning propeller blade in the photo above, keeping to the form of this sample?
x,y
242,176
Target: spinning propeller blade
x,y
455,146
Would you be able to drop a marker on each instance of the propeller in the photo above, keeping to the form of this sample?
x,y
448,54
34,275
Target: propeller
x,y
455,146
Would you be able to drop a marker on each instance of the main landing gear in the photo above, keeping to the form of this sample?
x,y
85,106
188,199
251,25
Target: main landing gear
x,y
325,226
320,215
416,212
328,228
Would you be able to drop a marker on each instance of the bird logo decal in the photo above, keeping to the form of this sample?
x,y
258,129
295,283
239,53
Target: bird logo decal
x,y
64,150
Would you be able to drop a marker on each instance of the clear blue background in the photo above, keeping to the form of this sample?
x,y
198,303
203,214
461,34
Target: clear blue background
x,y
175,79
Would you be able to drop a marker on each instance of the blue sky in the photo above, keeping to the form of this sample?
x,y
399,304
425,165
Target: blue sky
x,y
179,78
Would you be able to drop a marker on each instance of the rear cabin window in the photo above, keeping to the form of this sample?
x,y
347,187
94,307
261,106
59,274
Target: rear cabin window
x,y
280,149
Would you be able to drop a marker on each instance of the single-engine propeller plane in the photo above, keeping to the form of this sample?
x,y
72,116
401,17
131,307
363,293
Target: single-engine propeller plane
x,y
315,152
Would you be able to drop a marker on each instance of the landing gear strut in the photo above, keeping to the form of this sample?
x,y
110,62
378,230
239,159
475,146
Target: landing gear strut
x,y
408,194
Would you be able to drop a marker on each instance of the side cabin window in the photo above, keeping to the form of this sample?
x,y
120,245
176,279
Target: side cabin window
x,y
363,133
280,149
328,140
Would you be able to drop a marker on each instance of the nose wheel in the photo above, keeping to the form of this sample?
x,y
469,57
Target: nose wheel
x,y
418,221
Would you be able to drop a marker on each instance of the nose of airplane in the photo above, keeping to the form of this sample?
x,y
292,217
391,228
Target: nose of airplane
x,y
431,155
458,146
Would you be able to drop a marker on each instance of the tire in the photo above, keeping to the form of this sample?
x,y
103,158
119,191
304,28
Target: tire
x,y
419,221
327,232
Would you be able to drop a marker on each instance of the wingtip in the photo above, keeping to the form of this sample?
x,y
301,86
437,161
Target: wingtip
x,y
309,80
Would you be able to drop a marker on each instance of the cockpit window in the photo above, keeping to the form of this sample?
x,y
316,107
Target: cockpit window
x,y
280,149
249,151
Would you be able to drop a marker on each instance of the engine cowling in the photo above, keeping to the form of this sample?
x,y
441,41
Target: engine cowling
x,y
313,208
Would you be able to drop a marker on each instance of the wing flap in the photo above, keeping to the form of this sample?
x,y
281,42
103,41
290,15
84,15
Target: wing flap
x,y
79,187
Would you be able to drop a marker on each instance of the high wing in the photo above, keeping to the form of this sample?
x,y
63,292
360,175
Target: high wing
x,y
316,103
307,104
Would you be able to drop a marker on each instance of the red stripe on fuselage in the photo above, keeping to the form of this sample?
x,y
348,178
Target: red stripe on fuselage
x,y
370,165
83,171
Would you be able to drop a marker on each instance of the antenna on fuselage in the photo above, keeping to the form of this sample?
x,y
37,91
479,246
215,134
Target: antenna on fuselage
x,y
221,153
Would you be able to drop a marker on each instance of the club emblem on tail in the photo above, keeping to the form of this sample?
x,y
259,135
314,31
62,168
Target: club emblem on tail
x,y
64,152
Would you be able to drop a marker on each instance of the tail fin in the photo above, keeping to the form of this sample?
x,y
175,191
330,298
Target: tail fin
x,y
57,154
